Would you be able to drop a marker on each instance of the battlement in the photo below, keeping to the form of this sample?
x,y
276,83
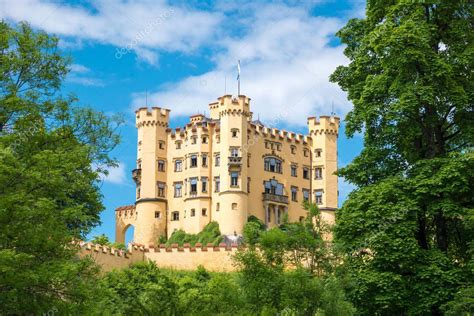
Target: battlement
x,y
197,118
325,125
156,117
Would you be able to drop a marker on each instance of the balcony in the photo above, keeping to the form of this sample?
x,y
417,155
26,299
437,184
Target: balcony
x,y
235,163
275,198
136,175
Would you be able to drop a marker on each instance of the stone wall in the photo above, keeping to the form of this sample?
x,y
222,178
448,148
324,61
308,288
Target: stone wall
x,y
213,258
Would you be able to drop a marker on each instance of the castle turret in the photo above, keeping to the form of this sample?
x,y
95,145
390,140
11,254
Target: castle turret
x,y
324,133
233,172
151,202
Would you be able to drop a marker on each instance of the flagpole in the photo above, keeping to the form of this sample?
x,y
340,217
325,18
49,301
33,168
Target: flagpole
x,y
238,78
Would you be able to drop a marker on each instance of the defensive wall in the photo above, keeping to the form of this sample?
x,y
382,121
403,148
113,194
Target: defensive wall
x,y
186,257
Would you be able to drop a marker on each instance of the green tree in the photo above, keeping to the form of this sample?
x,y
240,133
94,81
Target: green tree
x,y
405,229
49,194
139,290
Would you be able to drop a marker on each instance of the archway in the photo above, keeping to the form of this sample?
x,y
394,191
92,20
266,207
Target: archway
x,y
129,233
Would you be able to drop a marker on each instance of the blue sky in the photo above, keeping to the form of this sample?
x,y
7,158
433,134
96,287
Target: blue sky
x,y
182,55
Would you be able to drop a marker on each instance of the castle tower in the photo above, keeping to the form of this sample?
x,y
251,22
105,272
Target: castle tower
x,y
324,182
151,202
232,212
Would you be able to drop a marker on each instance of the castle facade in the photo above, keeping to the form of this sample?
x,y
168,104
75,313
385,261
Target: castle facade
x,y
225,168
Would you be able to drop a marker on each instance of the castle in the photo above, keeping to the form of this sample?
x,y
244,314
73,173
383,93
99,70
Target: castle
x,y
225,168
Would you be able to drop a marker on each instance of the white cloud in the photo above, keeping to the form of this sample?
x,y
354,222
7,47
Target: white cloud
x,y
144,26
286,60
81,75
116,175
79,68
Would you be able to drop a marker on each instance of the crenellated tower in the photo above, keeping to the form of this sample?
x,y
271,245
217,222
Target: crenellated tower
x,y
324,182
151,174
233,113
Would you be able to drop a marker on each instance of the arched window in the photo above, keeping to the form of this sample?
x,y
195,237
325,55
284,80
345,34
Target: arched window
x,y
272,164
234,132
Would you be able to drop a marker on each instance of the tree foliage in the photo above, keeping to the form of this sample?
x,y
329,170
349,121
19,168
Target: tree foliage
x,y
406,229
49,192
210,234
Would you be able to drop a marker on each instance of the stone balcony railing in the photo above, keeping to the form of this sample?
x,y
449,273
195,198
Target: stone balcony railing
x,y
136,175
275,198
235,161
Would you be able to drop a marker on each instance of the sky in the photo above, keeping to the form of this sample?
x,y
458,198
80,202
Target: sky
x,y
183,55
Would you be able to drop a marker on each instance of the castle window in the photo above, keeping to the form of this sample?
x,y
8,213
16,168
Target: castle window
x,y
273,187
278,147
248,184
318,152
217,184
175,216
161,165
234,132
306,152
294,194
234,179
305,195
194,161
157,214
248,161
161,144
294,171
139,164
318,173
193,186
194,140
266,145
138,191
293,149
204,139
161,189
178,145
218,139
204,184
178,165
272,164
178,189
234,152
204,160
234,206
193,212
305,173
318,197
204,212
218,160
218,206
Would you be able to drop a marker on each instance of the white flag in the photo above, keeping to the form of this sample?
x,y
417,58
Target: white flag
x,y
238,70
